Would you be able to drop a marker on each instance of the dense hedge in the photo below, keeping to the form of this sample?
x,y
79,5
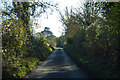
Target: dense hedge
x,y
20,54
21,51
93,40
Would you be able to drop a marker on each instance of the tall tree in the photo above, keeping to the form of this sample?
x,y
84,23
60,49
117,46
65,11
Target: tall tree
x,y
48,33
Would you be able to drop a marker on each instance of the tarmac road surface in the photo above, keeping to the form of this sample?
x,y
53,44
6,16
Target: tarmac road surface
x,y
58,65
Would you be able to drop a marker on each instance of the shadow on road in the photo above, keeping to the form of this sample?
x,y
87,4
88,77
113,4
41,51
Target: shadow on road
x,y
58,65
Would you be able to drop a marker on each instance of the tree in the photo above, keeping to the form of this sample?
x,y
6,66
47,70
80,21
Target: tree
x,y
48,33
19,46
92,37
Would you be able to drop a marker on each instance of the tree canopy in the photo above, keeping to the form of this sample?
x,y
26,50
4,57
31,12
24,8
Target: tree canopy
x,y
48,33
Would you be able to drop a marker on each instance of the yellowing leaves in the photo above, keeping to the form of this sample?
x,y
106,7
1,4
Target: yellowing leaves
x,y
8,59
3,53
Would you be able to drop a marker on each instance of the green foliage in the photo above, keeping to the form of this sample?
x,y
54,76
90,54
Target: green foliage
x,y
69,41
60,41
49,36
21,51
92,39
48,33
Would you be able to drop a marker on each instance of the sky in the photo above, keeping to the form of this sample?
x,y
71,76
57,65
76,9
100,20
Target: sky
x,y
53,20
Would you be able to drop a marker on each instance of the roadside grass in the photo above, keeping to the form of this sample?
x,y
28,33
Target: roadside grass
x,y
20,67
